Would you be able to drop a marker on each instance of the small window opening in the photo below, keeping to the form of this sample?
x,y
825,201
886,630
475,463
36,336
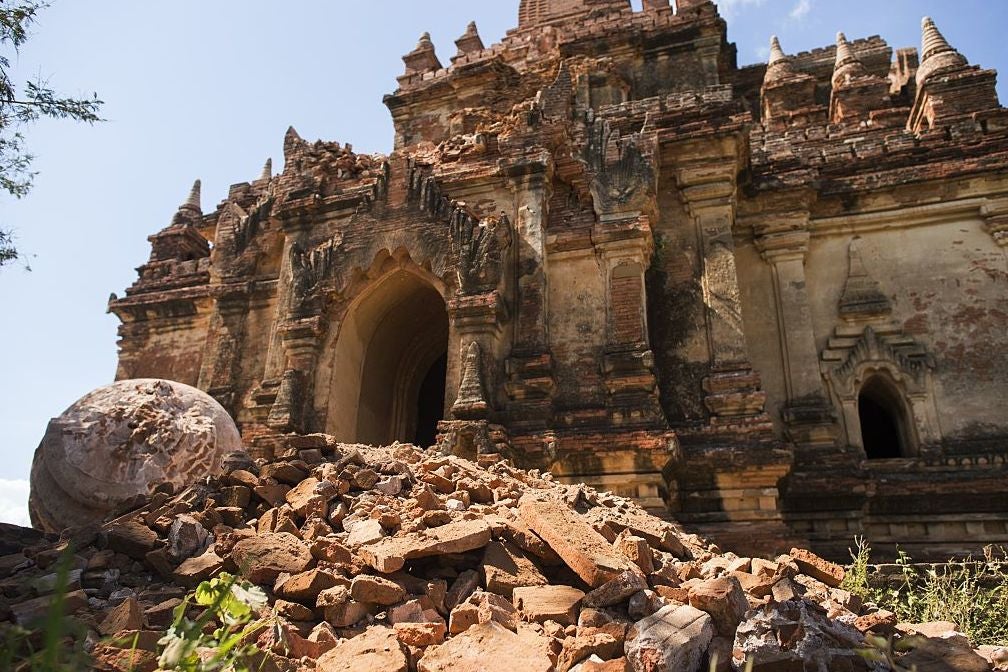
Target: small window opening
x,y
879,409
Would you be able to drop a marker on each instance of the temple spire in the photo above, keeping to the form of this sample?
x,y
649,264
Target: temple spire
x,y
194,197
190,212
779,63
847,64
470,41
936,52
534,13
267,171
776,53
423,57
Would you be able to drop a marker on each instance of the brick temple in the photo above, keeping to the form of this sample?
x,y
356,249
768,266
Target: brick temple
x,y
770,301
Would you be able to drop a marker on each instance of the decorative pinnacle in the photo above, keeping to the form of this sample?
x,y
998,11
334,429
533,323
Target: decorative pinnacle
x,y
194,197
470,41
936,52
779,66
776,53
844,54
190,212
847,64
932,41
422,58
267,171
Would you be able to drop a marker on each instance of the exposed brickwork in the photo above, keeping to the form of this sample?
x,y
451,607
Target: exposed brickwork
x,y
625,295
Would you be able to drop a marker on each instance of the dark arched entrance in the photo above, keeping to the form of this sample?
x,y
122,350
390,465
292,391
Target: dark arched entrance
x,y
390,365
430,402
883,427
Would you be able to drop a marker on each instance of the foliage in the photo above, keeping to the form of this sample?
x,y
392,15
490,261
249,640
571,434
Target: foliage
x,y
972,594
54,644
22,106
856,577
230,605
886,650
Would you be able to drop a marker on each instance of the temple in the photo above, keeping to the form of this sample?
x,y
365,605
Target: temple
x,y
770,301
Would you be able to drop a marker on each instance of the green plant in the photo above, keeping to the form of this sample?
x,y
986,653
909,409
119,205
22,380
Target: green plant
x,y
885,649
972,594
197,645
54,643
856,579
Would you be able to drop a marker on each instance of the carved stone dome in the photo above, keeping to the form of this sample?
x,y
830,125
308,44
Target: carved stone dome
x,y
124,440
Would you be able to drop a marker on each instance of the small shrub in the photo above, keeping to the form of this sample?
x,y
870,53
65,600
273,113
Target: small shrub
x,y
231,605
971,594
856,579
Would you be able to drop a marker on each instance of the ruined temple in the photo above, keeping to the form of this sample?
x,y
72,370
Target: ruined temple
x,y
770,301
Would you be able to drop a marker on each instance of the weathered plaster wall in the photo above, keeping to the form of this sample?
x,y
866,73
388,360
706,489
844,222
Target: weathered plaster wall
x,y
949,290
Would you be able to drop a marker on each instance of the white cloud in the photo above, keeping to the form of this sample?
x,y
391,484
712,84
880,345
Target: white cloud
x,y
800,10
14,502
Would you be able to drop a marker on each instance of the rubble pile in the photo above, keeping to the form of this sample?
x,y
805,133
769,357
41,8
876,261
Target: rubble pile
x,y
399,559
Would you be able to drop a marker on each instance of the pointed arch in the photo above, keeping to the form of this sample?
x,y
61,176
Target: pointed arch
x,y
884,423
389,357
881,380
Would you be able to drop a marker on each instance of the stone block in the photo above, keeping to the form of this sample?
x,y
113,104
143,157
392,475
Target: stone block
x,y
724,600
390,554
473,650
305,587
127,615
674,639
262,558
505,568
572,538
376,590
812,565
549,603
377,649
616,590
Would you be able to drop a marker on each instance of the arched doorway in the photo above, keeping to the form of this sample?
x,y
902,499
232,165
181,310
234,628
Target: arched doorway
x,y
884,430
388,381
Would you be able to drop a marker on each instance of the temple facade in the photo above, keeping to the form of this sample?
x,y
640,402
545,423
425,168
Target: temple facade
x,y
770,301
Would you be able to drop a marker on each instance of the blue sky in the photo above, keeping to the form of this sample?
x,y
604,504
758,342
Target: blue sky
x,y
198,89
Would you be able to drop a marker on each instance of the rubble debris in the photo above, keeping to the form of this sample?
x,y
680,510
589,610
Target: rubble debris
x,y
797,633
526,574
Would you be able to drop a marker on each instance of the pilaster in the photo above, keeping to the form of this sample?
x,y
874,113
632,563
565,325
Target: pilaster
x,y
529,370
628,366
783,241
706,174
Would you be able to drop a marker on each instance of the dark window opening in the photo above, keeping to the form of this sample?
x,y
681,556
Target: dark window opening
x,y
880,425
430,402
